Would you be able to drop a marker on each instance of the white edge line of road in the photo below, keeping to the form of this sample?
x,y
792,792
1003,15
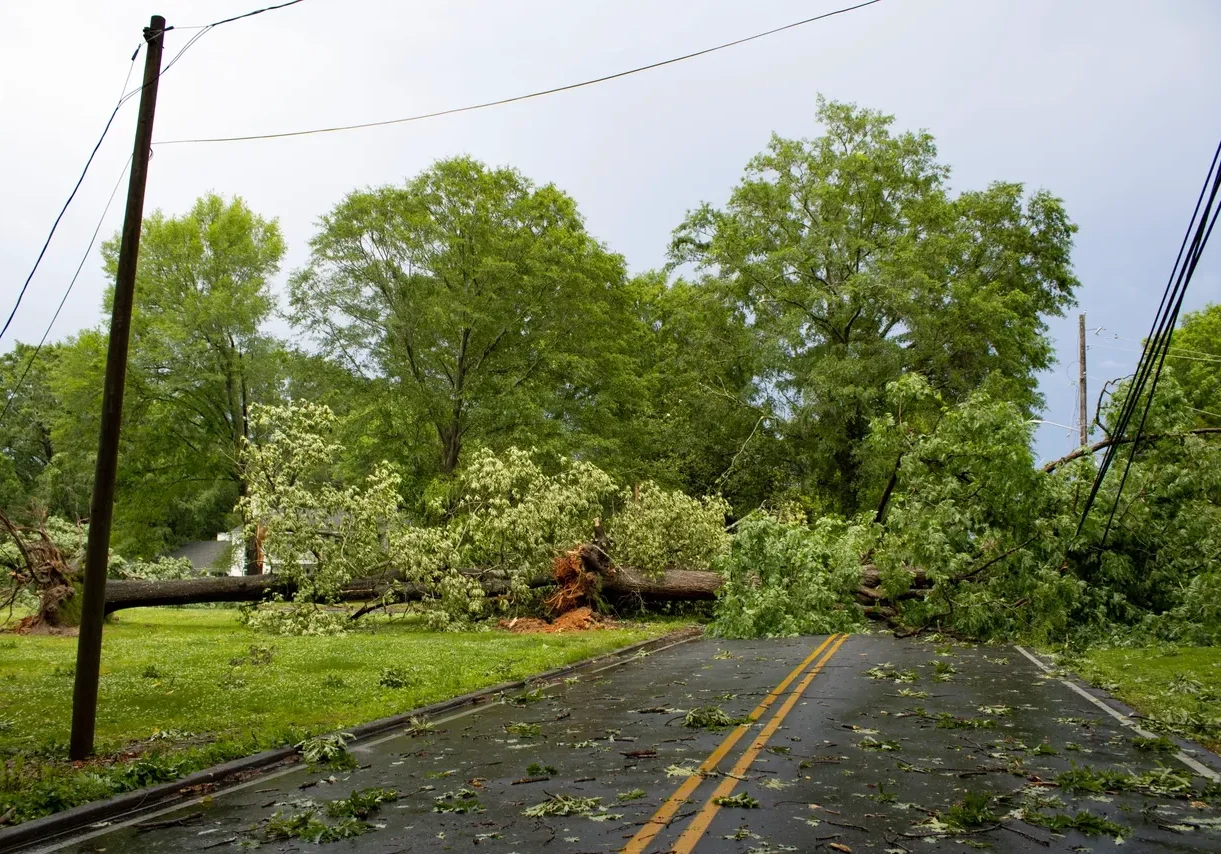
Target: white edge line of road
x,y
1193,764
110,827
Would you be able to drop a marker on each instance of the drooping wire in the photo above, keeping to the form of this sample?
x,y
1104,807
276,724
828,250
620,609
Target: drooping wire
x,y
125,96
204,29
80,180
12,394
1157,345
251,14
525,97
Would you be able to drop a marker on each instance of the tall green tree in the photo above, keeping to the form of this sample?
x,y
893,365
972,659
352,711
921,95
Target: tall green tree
x,y
199,359
853,264
477,297
699,421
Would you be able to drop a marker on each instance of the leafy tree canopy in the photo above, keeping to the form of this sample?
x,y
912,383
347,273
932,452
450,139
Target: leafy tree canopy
x,y
852,263
1195,354
479,298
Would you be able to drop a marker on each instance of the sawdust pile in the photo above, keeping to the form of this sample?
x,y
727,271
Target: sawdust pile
x,y
577,620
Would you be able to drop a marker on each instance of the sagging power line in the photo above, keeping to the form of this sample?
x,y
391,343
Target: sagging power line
x,y
16,389
80,180
1157,345
514,99
125,96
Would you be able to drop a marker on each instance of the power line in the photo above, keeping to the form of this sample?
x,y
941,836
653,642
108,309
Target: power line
x,y
1157,345
71,196
1169,355
124,98
12,395
516,98
1177,347
252,14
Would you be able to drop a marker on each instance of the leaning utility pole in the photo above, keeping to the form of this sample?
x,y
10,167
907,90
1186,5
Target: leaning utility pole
x,y
101,508
1082,403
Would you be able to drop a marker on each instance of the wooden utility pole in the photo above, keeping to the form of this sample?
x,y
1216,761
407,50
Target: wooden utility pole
x,y
101,508
1082,403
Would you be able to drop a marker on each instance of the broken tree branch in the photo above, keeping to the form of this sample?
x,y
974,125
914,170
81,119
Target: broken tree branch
x,y
1106,443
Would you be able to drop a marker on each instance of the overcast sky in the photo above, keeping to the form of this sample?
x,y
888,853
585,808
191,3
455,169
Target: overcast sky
x,y
1114,106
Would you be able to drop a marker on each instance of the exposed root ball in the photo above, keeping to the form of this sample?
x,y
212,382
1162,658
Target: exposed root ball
x,y
576,587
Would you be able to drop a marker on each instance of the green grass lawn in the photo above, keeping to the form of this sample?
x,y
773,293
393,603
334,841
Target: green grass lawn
x,y
1177,688
183,688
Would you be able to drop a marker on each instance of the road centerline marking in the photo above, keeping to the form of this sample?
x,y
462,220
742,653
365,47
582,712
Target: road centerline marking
x,y
661,818
698,826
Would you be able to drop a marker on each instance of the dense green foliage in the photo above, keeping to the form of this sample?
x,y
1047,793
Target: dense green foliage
x,y
787,579
827,396
851,265
477,299
199,359
503,514
1195,354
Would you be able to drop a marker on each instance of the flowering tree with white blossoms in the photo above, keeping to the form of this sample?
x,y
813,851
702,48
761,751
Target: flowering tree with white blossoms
x,y
502,516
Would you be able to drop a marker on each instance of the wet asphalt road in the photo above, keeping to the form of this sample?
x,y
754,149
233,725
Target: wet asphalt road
x,y
860,744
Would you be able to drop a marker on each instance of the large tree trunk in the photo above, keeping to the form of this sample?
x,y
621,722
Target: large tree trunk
x,y
612,582
451,445
255,588
193,591
675,584
621,582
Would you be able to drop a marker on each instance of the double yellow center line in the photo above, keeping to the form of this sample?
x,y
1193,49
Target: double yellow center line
x,y
699,824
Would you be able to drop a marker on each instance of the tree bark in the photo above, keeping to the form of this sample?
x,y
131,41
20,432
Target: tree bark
x,y
255,588
193,591
673,585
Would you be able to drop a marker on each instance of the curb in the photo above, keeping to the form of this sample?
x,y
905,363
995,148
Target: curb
x,y
129,804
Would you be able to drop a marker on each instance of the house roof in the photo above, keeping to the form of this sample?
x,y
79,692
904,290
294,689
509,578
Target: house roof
x,y
203,554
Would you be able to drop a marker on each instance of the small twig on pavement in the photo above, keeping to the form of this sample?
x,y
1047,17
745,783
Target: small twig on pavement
x,y
844,824
1045,843
173,822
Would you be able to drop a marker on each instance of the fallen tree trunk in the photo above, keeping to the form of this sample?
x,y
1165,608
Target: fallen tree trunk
x,y
625,582
673,585
612,582
193,591
619,582
256,588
